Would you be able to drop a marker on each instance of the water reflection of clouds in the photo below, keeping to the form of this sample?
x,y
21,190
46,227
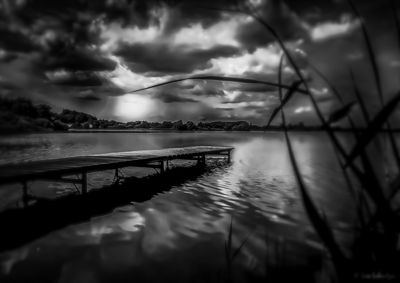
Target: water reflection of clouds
x,y
257,190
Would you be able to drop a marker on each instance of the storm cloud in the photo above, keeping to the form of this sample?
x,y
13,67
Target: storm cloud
x,y
77,60
162,59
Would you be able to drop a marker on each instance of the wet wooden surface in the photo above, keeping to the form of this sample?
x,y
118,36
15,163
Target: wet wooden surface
x,y
97,162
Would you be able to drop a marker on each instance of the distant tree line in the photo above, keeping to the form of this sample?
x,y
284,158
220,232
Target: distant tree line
x,y
21,115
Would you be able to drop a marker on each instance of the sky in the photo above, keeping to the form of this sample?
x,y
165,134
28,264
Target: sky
x,y
91,55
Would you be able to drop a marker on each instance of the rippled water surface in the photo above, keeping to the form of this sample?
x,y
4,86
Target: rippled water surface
x,y
179,234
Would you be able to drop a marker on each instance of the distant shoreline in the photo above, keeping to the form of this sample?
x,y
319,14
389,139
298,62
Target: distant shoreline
x,y
138,131
161,131
21,116
187,131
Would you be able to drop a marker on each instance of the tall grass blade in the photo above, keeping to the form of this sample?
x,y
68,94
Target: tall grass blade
x,y
353,127
318,221
396,19
285,100
394,187
238,249
228,244
220,78
297,70
393,144
357,197
373,128
341,113
328,82
370,50
282,45
280,92
359,98
318,111
231,254
373,187
392,140
374,64
228,252
320,225
230,235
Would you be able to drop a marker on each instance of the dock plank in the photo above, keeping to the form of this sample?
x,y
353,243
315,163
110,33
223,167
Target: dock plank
x,y
97,162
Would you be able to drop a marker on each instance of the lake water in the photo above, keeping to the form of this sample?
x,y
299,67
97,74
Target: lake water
x,y
179,235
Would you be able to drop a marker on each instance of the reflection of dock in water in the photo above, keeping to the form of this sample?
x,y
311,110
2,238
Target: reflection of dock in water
x,y
61,170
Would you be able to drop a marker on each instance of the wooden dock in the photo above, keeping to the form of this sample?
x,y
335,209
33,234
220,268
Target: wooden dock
x,y
61,170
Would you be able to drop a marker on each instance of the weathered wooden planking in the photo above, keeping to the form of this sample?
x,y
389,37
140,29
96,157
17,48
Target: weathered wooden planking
x,y
97,162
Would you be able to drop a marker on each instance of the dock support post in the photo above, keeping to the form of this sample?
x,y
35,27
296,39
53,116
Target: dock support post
x,y
25,197
201,160
84,183
229,157
162,167
117,178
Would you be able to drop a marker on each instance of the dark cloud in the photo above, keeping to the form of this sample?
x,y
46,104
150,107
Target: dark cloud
x,y
16,41
6,86
7,57
78,79
160,59
277,14
315,11
173,98
87,97
224,108
108,89
261,108
184,13
68,58
126,12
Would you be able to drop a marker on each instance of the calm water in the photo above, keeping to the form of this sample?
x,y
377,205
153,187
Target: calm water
x,y
179,234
